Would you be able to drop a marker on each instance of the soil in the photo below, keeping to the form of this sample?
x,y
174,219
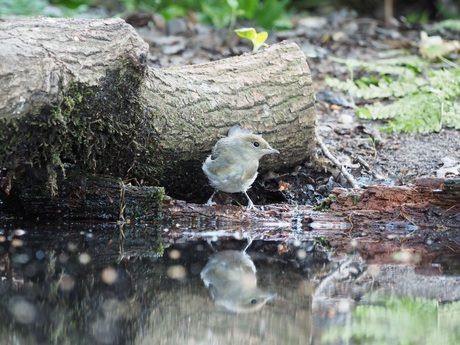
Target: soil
x,y
393,159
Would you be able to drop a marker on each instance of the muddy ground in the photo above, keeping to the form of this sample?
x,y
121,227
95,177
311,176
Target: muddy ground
x,y
393,159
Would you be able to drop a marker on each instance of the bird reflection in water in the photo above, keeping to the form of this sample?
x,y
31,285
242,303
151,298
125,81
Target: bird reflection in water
x,y
230,277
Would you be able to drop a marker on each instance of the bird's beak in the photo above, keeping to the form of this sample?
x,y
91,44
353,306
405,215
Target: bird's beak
x,y
269,296
270,150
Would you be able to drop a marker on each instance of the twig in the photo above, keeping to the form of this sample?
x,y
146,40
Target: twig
x,y
448,62
362,162
335,161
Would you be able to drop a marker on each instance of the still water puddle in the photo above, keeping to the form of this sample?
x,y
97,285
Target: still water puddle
x,y
95,284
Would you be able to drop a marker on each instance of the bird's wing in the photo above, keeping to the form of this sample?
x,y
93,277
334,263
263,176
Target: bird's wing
x,y
223,151
232,168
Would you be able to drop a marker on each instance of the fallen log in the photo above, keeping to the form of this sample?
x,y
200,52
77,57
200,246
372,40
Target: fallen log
x,y
78,94
380,216
378,219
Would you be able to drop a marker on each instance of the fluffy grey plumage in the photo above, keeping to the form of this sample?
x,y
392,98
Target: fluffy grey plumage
x,y
232,166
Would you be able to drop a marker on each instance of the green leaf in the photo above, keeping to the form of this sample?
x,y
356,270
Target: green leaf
x,y
233,4
261,37
257,39
248,8
451,24
248,33
269,11
218,12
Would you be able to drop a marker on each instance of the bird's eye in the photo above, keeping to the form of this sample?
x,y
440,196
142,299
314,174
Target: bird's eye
x,y
254,301
256,144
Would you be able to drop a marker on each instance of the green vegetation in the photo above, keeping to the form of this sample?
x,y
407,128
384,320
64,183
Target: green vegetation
x,y
325,204
220,13
257,39
22,7
268,14
450,24
65,8
398,321
425,98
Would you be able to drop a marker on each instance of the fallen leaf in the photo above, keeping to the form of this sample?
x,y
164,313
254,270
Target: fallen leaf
x,y
283,186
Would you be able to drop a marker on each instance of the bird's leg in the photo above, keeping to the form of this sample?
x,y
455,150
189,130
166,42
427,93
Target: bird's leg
x,y
250,203
249,238
210,202
209,241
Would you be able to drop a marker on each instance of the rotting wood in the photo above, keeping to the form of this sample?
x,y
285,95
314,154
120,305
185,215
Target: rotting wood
x,y
380,219
430,202
377,219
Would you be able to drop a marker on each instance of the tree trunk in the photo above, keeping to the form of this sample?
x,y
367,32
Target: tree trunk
x,y
79,94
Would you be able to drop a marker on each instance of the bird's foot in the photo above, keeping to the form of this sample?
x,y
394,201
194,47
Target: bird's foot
x,y
210,203
250,206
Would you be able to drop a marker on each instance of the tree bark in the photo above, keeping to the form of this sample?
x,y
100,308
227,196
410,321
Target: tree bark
x,y
79,93
41,57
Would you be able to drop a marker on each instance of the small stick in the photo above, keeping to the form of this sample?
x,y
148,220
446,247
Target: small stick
x,y
336,162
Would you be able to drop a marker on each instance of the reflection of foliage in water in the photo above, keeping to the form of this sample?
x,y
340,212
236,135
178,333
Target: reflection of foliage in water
x,y
405,320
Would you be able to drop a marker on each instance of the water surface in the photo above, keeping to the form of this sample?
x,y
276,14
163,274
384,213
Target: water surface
x,y
84,283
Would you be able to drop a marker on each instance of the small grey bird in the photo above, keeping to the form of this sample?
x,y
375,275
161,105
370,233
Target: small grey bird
x,y
232,166
230,277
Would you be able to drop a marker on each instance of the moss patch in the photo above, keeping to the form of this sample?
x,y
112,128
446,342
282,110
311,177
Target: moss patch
x,y
99,129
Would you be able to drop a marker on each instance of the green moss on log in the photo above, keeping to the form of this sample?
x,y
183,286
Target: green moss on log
x,y
93,129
